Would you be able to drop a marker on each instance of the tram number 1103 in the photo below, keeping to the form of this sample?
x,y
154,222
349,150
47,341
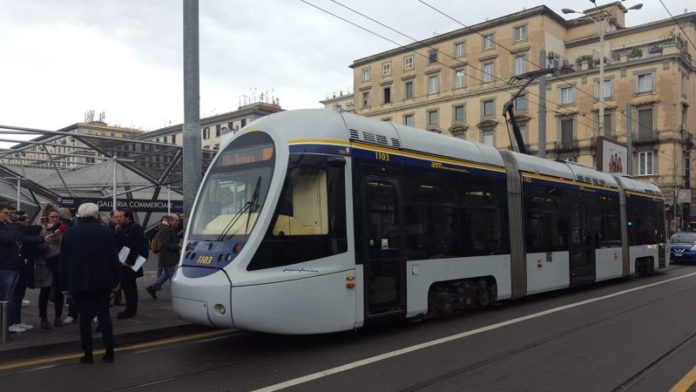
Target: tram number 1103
x,y
381,156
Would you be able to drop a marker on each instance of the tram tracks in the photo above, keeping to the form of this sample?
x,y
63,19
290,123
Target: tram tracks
x,y
630,381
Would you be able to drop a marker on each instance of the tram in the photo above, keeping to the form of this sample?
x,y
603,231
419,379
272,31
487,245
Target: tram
x,y
313,221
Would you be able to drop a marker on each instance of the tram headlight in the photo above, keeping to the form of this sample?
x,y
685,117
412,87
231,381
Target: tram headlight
x,y
220,309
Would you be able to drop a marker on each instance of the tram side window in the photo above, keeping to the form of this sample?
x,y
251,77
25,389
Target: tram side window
x,y
453,215
309,221
546,222
646,223
608,221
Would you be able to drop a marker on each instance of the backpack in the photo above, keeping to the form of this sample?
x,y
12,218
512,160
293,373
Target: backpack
x,y
155,243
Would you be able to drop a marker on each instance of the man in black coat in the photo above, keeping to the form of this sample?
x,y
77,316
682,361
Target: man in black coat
x,y
131,235
11,261
89,272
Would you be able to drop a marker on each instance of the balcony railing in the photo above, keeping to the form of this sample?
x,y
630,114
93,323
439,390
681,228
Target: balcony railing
x,y
566,145
646,136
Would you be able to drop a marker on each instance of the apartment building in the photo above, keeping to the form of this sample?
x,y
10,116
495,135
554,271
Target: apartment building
x,y
212,128
68,151
458,82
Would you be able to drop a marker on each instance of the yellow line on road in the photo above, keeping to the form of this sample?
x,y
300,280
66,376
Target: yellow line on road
x,y
156,343
686,382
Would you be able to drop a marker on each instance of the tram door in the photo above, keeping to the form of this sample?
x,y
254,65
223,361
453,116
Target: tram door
x,y
383,265
582,252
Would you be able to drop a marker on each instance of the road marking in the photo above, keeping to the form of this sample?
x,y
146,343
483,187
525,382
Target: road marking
x,y
156,343
686,382
421,346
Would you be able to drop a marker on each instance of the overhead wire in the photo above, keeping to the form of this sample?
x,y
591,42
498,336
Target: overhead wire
x,y
677,23
528,92
630,118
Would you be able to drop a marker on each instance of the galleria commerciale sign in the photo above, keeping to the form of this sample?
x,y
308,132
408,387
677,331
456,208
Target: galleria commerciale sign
x,y
136,205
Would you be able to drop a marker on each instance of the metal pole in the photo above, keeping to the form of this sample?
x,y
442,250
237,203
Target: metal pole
x,y
542,109
113,193
602,29
629,139
169,200
4,305
19,194
192,156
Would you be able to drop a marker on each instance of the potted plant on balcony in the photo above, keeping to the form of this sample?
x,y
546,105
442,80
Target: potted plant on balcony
x,y
584,62
635,53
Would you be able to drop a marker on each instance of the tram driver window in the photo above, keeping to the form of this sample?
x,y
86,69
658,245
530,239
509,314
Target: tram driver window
x,y
304,208
309,221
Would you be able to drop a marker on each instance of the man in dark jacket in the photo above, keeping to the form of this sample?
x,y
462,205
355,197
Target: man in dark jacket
x,y
11,260
131,235
170,250
89,272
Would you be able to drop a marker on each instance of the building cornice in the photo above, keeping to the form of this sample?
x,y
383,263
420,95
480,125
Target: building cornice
x,y
540,10
632,30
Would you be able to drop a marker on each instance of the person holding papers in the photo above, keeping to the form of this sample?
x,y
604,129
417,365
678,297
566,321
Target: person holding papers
x,y
89,270
133,250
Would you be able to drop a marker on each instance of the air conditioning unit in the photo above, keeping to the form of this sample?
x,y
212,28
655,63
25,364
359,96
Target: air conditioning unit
x,y
551,54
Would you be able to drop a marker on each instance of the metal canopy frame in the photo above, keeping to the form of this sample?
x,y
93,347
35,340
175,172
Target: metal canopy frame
x,y
158,163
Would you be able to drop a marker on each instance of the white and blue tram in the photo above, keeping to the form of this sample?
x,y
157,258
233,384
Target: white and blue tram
x,y
313,221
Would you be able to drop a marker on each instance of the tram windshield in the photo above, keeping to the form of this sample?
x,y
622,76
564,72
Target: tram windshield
x,y
235,189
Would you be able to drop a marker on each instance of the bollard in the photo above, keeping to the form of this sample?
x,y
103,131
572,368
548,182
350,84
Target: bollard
x,y
4,305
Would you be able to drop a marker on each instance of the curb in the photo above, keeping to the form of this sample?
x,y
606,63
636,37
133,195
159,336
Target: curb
x,y
123,339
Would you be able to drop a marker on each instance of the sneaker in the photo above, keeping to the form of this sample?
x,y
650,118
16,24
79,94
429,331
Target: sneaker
x,y
69,320
25,325
25,303
16,328
151,290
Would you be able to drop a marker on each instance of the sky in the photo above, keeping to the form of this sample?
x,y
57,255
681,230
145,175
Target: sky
x,y
61,58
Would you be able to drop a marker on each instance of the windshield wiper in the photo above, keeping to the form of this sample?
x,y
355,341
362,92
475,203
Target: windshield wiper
x,y
253,206
246,207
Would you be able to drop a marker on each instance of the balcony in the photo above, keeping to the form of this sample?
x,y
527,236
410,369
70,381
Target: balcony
x,y
566,145
645,137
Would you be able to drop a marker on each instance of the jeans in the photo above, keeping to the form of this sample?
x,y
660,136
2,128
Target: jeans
x,y
15,316
8,282
163,275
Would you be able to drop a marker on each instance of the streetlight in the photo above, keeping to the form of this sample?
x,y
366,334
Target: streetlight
x,y
601,19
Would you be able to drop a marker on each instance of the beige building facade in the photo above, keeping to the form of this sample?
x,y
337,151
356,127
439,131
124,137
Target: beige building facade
x,y
212,128
68,151
457,84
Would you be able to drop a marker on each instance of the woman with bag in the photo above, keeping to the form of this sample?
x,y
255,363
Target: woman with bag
x,y
46,271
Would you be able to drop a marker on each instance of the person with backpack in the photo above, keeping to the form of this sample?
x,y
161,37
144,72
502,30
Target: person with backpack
x,y
166,244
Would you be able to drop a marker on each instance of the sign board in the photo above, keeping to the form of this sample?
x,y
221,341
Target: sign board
x,y
135,205
612,157
684,196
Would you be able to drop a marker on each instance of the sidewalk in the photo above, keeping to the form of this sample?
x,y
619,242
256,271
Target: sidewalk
x,y
155,320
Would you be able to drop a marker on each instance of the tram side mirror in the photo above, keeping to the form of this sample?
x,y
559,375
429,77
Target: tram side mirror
x,y
335,161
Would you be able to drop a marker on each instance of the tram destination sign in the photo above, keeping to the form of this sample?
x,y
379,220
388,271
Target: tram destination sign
x,y
135,205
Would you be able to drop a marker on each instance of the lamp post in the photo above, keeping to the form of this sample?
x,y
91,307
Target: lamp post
x,y
601,19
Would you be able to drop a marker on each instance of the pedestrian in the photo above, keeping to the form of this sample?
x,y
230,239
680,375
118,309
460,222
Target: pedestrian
x,y
114,216
170,250
89,273
46,271
29,251
11,262
129,234
65,217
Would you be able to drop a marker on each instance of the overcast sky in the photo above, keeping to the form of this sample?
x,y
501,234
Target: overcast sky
x,y
60,58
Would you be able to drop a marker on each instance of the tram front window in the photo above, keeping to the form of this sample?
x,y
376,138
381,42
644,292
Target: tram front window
x,y
235,190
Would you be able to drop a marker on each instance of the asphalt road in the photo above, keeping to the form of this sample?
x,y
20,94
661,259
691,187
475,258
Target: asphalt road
x,y
635,335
